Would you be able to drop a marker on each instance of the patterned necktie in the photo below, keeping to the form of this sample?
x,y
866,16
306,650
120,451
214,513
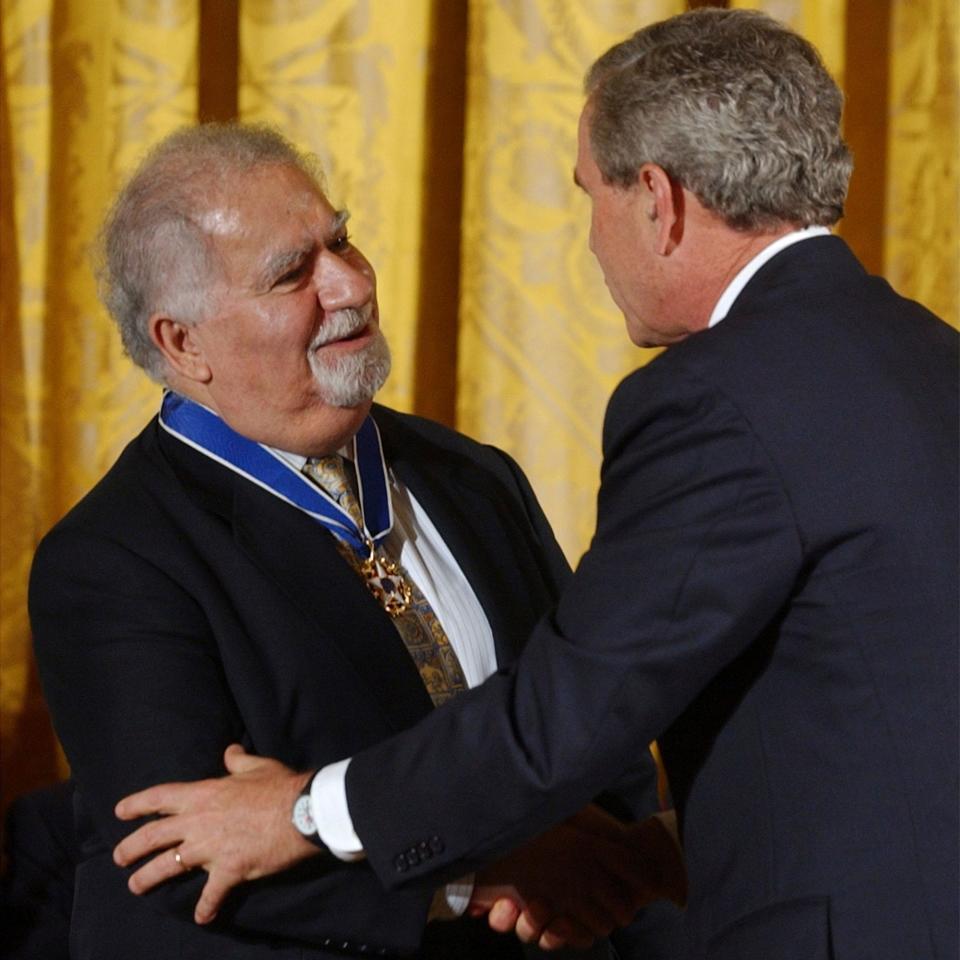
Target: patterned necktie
x,y
418,626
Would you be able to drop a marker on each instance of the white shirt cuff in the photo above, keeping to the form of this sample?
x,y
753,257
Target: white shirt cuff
x,y
328,801
458,893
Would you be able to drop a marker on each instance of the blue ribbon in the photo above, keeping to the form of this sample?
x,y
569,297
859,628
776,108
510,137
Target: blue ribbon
x,y
203,430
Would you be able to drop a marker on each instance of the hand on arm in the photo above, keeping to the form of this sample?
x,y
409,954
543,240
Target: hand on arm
x,y
236,828
580,880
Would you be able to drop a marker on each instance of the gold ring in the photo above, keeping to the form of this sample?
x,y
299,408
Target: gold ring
x,y
180,863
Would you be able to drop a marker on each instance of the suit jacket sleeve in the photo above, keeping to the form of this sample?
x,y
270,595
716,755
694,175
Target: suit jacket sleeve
x,y
695,552
140,696
633,795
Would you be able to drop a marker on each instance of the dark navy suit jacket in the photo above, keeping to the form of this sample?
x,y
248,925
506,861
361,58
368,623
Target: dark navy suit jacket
x,y
179,607
772,592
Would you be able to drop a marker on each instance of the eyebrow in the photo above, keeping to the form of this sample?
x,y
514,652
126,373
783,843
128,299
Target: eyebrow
x,y
340,218
279,263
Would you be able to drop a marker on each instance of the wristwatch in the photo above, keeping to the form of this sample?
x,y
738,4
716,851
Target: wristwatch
x,y
302,817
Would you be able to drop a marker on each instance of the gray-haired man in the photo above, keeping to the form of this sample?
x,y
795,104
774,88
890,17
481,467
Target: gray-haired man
x,y
227,582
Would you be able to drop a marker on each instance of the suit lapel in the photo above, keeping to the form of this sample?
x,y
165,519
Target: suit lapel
x,y
295,552
479,531
301,558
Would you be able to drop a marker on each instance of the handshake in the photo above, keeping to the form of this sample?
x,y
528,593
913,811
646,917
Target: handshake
x,y
574,883
581,880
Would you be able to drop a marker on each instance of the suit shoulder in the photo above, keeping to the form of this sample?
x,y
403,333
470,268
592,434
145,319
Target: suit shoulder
x,y
406,431
410,425
110,507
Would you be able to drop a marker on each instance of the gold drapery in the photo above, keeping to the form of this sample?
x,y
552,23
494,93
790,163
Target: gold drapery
x,y
449,130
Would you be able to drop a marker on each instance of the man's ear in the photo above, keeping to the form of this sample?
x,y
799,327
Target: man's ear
x,y
665,206
180,347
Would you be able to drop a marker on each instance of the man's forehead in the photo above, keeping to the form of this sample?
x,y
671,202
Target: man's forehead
x,y
264,196
219,221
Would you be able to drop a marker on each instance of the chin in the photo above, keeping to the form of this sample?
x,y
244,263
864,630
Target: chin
x,y
349,405
352,380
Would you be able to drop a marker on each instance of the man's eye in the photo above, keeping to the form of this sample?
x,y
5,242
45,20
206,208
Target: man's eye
x,y
291,276
339,243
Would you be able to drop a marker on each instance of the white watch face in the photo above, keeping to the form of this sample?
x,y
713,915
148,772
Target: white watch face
x,y
303,816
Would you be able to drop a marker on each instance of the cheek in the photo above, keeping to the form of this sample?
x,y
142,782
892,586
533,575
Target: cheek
x,y
599,239
286,326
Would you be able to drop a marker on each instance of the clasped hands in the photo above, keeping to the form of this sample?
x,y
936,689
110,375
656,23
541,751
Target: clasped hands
x,y
572,884
580,880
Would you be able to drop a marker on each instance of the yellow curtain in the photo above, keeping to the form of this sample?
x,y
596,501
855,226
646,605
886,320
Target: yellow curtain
x,y
86,87
448,128
541,344
922,191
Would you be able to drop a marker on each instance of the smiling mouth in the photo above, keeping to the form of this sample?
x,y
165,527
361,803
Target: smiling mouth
x,y
360,335
345,327
356,335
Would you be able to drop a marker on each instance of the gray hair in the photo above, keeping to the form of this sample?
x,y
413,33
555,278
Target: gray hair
x,y
155,255
736,107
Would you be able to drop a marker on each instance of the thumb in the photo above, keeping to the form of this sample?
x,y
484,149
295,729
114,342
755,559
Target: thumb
x,y
503,915
237,760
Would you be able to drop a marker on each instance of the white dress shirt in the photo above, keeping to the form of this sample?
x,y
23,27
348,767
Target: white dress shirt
x,y
417,543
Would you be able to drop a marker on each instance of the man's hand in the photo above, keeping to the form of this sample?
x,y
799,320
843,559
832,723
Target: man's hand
x,y
580,880
236,828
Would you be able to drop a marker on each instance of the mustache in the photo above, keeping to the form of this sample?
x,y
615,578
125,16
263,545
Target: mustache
x,y
344,323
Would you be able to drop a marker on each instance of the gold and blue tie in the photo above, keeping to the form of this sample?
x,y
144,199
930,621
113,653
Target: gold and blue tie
x,y
417,624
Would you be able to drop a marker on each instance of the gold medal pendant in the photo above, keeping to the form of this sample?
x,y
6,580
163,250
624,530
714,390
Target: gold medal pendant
x,y
384,579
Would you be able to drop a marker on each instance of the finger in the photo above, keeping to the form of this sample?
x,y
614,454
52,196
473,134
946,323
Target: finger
x,y
214,892
163,798
503,915
234,757
160,868
532,920
152,836
564,932
237,760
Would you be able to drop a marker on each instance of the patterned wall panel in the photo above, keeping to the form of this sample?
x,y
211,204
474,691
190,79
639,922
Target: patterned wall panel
x,y
823,22
541,344
87,88
922,239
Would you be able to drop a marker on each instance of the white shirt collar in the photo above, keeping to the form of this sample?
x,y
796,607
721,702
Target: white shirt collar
x,y
297,460
735,287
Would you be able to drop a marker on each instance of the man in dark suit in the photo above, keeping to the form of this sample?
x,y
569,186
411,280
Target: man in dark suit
x,y
226,582
772,588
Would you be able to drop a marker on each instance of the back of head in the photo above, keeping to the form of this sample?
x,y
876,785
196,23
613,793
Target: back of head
x,y
156,250
736,107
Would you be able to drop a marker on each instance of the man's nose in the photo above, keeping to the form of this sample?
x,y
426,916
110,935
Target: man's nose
x,y
342,284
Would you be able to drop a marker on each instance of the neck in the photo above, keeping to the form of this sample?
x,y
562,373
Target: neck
x,y
315,431
714,254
